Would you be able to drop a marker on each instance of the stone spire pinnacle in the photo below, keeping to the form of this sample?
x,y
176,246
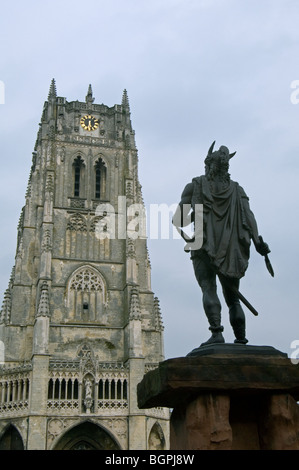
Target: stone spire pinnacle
x,y
158,317
52,91
6,307
43,306
89,98
125,100
135,313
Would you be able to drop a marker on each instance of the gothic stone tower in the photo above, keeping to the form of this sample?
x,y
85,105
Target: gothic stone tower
x,y
80,324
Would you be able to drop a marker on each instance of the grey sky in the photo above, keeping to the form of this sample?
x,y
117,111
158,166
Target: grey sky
x,y
195,71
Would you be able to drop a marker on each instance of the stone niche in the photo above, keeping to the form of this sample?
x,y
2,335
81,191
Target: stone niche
x,y
227,397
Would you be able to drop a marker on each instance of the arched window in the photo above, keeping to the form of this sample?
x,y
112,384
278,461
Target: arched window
x,y
78,166
63,389
156,439
87,294
100,179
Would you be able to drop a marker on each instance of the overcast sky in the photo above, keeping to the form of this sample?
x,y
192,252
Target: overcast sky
x,y
195,71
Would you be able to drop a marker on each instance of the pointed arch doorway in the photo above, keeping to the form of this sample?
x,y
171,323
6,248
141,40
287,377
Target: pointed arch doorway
x,y
11,439
87,436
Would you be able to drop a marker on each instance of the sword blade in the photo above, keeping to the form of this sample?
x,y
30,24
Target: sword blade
x,y
241,297
269,266
267,261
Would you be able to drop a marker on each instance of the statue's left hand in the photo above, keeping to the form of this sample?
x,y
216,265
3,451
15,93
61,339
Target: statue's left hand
x,y
261,247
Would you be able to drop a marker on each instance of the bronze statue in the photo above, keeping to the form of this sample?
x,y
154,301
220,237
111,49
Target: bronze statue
x,y
228,225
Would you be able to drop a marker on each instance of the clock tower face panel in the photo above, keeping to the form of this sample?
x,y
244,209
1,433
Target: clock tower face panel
x,y
89,123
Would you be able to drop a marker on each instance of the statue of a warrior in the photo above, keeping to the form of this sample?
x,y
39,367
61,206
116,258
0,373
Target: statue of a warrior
x,y
228,226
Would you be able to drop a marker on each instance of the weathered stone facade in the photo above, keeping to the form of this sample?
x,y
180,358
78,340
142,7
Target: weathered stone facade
x,y
80,324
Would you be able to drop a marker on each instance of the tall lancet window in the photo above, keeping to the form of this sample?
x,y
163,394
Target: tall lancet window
x,y
78,167
100,179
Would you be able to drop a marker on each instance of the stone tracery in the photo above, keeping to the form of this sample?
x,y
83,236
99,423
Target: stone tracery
x,y
87,294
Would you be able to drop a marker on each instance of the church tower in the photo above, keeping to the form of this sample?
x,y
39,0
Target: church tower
x,y
79,324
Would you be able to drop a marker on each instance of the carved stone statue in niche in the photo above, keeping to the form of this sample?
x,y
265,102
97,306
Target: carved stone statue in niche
x,y
88,400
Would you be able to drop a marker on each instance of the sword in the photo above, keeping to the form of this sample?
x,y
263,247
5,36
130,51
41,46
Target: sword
x,y
240,296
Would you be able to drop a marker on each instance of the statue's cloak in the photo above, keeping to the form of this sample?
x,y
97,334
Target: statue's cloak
x,y
226,229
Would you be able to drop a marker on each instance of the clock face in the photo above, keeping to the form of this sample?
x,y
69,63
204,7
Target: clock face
x,y
89,123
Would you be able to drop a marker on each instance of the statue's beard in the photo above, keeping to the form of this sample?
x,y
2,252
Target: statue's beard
x,y
218,172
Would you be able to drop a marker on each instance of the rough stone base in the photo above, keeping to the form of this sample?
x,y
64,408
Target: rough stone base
x,y
202,424
227,398
217,422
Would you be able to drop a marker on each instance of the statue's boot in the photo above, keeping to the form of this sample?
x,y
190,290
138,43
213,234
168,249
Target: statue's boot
x,y
237,321
216,337
212,308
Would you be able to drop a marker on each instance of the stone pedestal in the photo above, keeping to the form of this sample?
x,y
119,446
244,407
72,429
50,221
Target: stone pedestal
x,y
229,396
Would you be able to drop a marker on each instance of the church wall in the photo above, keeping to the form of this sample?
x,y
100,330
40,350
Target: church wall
x,y
107,343
18,343
152,344
22,304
